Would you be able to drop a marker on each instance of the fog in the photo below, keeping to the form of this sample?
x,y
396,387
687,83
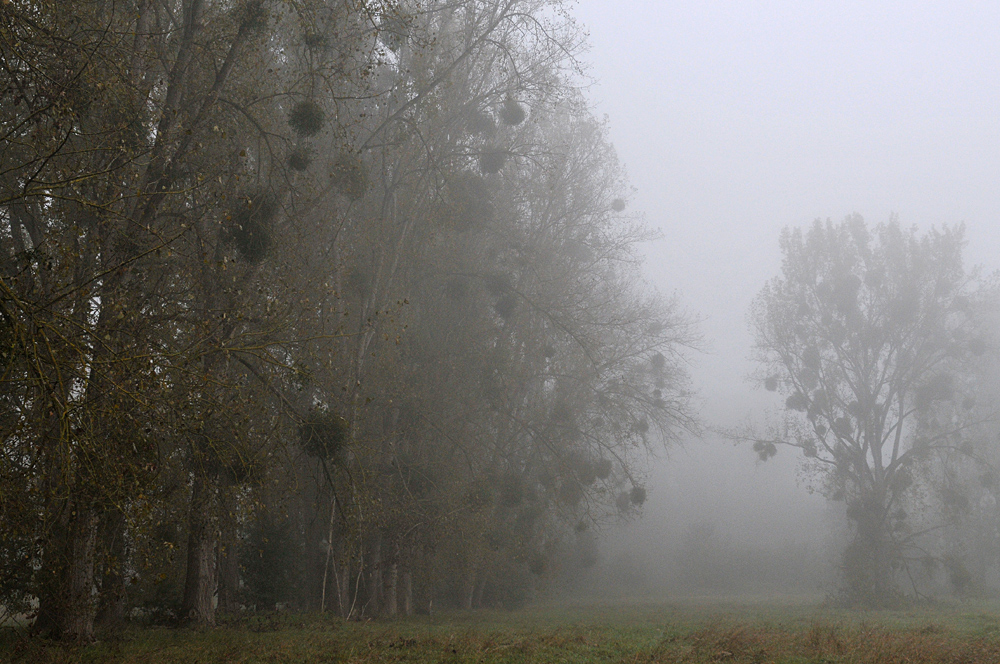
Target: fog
x,y
736,120
402,306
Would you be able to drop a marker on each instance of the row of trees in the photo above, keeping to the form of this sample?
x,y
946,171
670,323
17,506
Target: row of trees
x,y
325,302
884,347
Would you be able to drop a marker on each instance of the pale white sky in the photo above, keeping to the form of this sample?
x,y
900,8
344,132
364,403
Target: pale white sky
x,y
736,119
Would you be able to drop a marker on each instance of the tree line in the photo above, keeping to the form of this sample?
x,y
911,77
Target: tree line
x,y
328,303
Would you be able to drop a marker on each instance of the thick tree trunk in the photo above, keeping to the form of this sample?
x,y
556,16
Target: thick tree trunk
x,y
57,552
228,562
77,621
52,576
67,601
229,576
199,585
868,558
113,604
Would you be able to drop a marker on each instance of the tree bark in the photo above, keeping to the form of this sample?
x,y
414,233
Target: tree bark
x,y
228,561
77,620
229,576
391,589
407,591
199,585
867,559
67,601
376,587
344,590
112,607
52,577
55,557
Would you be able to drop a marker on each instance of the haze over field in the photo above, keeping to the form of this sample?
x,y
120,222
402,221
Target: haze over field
x,y
394,306
736,120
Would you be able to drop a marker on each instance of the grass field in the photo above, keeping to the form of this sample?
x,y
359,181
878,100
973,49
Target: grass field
x,y
730,633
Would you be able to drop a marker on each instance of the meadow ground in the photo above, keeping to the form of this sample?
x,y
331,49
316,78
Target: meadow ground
x,y
782,632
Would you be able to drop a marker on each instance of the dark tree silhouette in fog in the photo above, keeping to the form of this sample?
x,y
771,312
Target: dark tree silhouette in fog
x,y
864,332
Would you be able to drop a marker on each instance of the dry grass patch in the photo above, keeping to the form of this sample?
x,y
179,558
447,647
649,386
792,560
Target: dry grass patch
x,y
824,643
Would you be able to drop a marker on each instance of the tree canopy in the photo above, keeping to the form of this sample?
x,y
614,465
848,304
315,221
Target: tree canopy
x,y
866,332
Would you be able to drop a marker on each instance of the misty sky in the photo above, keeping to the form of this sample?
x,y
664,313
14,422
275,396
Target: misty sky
x,y
736,119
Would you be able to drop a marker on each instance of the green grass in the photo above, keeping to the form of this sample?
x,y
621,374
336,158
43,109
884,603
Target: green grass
x,y
695,632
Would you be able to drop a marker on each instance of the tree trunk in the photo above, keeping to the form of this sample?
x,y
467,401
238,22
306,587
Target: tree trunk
x,y
470,590
199,585
229,576
329,556
376,587
53,574
868,558
76,597
391,589
78,611
228,561
407,591
57,553
114,596
344,590
66,604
